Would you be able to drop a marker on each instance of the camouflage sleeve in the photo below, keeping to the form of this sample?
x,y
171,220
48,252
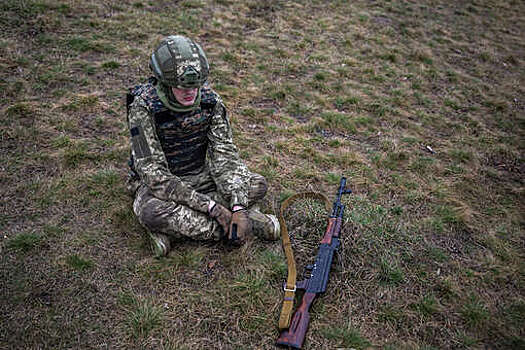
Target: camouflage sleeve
x,y
152,167
229,171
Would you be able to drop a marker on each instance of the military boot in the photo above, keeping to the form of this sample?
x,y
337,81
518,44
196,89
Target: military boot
x,y
160,244
265,226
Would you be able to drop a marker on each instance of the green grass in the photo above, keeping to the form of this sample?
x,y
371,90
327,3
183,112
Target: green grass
x,y
249,286
347,337
390,314
515,312
429,254
62,141
78,263
143,319
25,242
20,110
390,273
81,103
338,121
474,312
273,263
189,259
427,306
75,154
83,44
110,65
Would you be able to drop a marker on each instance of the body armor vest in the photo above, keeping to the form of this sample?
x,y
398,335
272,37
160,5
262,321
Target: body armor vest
x,y
182,135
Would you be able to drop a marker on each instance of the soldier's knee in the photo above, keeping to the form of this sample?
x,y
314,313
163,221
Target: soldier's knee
x,y
152,217
258,187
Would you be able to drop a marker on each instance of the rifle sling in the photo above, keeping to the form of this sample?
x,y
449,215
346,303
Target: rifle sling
x,y
290,288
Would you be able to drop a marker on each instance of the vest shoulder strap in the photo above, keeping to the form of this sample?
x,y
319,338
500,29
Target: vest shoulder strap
x,y
209,98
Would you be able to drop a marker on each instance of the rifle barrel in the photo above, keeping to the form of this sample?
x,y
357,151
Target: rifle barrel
x,y
338,208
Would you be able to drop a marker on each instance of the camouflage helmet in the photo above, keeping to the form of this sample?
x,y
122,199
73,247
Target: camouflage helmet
x,y
179,62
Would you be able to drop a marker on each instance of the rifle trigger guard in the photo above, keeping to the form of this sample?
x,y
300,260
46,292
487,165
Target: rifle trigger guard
x,y
290,290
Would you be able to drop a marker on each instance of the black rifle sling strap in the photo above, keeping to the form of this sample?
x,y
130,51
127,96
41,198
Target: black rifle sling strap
x,y
290,287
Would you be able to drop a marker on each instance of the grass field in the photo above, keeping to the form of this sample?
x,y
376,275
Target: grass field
x,y
421,104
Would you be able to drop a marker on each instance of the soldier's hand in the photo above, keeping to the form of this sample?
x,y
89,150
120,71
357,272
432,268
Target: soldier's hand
x,y
222,215
240,226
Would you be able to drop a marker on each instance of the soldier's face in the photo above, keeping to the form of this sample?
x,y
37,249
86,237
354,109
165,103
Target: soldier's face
x,y
185,97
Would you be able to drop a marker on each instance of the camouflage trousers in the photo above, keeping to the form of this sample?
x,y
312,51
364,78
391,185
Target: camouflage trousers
x,y
178,221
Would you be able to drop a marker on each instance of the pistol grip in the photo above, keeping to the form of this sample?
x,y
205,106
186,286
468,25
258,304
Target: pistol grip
x,y
234,237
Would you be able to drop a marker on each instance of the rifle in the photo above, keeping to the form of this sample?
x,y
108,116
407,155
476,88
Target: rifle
x,y
319,271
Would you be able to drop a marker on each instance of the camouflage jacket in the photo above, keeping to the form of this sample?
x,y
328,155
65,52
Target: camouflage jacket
x,y
221,167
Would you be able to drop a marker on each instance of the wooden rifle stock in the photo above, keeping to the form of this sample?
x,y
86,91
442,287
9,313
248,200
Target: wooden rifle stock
x,y
294,336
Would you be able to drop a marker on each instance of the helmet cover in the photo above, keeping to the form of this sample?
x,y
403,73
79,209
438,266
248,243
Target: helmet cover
x,y
179,62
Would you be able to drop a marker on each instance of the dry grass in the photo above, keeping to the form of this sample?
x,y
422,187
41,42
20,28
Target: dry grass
x,y
419,104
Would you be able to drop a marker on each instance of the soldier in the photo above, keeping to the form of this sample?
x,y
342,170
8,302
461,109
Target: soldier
x,y
186,175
